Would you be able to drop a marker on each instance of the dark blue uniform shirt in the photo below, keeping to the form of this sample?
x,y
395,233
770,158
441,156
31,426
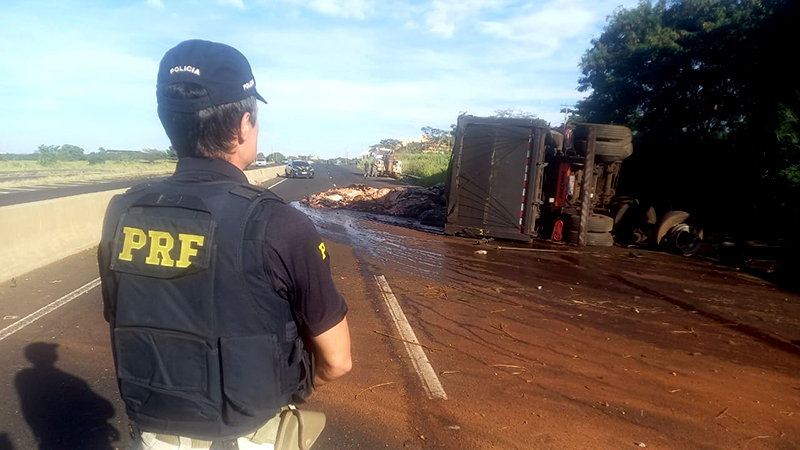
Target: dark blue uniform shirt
x,y
297,264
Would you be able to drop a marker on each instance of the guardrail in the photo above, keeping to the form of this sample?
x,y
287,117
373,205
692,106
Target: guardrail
x,y
35,234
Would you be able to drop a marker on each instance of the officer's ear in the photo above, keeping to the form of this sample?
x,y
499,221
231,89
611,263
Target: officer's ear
x,y
245,128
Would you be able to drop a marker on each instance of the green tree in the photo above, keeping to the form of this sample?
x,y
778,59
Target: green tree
x,y
275,157
511,113
69,152
414,147
172,155
47,155
95,158
437,139
393,144
703,85
152,155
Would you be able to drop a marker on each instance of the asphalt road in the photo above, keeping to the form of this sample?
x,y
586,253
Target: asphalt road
x,y
519,349
26,194
72,403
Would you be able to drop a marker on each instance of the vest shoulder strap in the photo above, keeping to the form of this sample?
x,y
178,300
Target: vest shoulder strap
x,y
252,192
138,187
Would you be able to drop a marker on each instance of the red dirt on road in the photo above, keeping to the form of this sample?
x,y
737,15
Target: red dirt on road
x,y
573,349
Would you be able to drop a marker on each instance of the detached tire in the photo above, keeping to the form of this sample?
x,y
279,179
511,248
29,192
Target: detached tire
x,y
683,239
599,224
599,239
670,220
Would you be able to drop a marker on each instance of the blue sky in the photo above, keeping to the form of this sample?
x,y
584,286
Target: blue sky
x,y
339,75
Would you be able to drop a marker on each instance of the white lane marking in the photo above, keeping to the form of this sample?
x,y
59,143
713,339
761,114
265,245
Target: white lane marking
x,y
433,387
45,310
279,182
21,189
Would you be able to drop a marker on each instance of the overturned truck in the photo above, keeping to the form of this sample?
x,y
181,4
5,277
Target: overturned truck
x,y
518,180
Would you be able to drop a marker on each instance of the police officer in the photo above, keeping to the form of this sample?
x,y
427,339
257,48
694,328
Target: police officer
x,y
219,295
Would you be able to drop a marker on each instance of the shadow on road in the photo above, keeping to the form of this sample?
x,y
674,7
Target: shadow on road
x,y
61,409
5,442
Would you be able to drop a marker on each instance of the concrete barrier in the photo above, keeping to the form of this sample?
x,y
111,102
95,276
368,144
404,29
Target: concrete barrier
x,y
258,176
35,234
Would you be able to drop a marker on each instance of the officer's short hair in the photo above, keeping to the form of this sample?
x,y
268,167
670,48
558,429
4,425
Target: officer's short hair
x,y
209,132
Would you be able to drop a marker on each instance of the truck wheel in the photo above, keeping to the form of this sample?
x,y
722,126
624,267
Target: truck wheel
x,y
683,239
607,151
558,140
671,219
573,221
650,216
571,236
604,132
619,212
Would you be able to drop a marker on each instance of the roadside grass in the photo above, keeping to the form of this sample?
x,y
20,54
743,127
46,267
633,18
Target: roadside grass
x,y
67,171
430,167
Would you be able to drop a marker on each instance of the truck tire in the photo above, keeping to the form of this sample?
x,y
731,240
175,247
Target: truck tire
x,y
683,239
604,132
573,221
571,236
607,151
671,219
599,224
599,239
619,212
558,140
650,216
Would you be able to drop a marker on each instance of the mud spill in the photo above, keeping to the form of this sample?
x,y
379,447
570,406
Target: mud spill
x,y
389,240
414,255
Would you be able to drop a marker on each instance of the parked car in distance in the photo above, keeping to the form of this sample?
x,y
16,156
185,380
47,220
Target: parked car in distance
x,y
299,169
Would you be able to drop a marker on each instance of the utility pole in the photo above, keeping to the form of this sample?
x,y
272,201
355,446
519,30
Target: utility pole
x,y
566,114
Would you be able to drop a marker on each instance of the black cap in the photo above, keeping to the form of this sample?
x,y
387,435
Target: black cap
x,y
221,69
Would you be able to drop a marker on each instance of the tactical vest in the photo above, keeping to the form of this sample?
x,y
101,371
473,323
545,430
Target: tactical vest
x,y
203,345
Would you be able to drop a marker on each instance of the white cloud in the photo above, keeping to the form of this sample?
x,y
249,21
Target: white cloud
x,y
357,9
444,16
381,77
342,8
235,3
546,27
428,101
